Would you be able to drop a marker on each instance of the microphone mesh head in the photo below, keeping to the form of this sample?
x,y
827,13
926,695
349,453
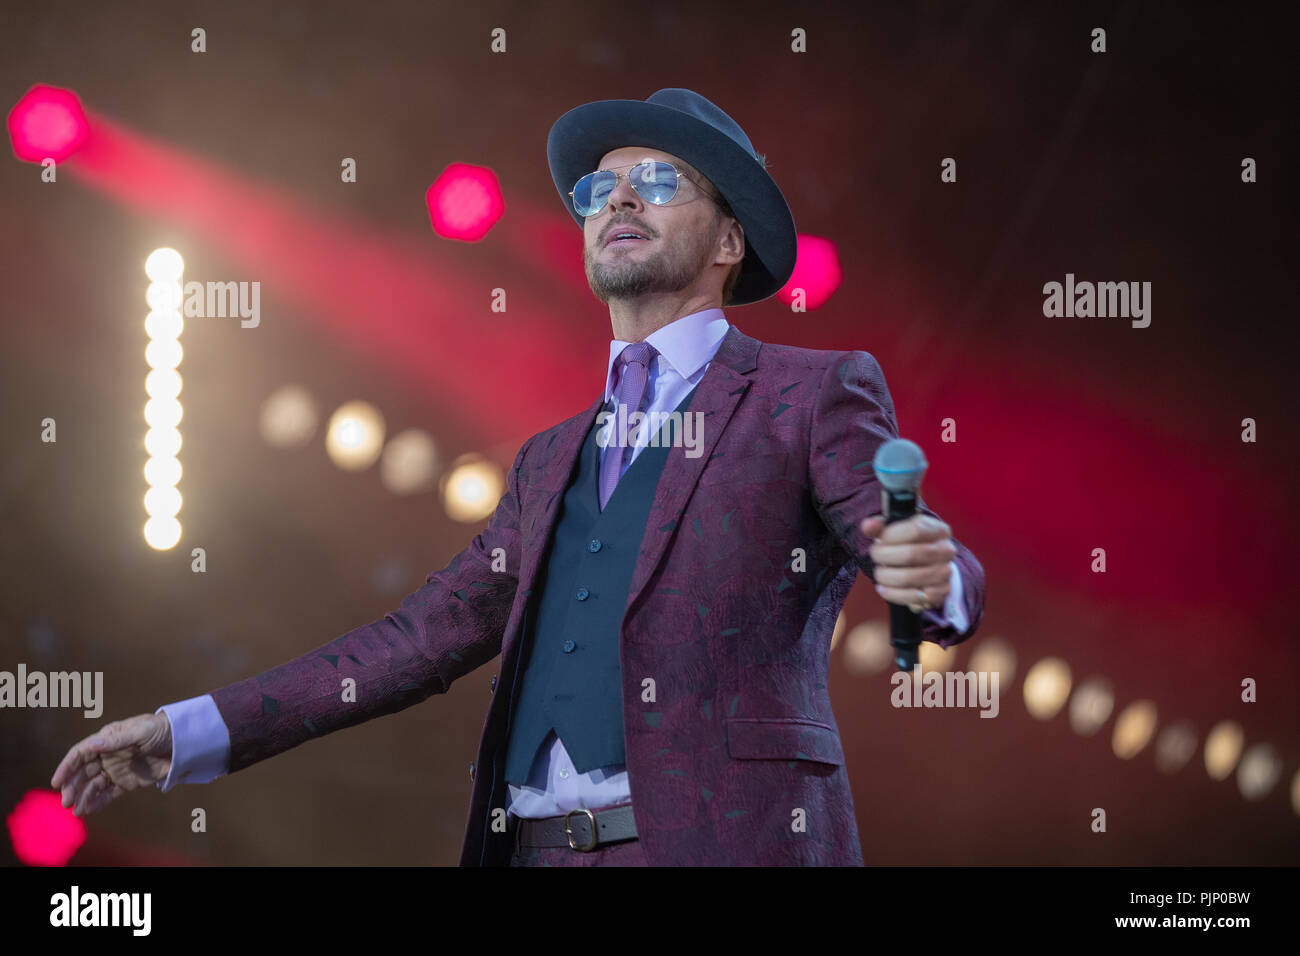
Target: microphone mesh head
x,y
900,465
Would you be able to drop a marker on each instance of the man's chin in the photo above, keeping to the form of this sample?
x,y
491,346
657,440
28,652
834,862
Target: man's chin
x,y
619,288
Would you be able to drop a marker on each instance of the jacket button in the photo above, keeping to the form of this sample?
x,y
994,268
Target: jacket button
x,y
494,683
471,771
569,646
583,594
594,545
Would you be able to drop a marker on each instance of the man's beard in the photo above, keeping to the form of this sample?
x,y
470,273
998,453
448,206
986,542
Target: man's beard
x,y
626,277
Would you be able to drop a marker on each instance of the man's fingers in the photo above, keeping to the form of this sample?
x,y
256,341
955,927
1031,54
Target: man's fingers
x,y
123,745
90,793
75,761
907,597
72,787
103,739
71,762
83,763
83,797
919,527
103,798
912,578
913,555
75,793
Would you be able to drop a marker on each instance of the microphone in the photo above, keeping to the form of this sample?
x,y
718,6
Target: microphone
x,y
900,465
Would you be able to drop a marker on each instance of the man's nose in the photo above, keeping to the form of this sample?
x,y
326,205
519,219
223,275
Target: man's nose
x,y
623,194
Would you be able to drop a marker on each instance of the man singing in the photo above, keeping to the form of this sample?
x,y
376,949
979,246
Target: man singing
x,y
664,615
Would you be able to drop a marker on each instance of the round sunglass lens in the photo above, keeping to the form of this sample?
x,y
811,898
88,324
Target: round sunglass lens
x,y
655,182
592,191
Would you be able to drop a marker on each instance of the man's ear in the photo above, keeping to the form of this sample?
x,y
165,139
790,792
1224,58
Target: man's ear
x,y
735,224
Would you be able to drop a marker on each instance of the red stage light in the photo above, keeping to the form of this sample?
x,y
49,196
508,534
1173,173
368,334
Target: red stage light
x,y
47,123
464,202
43,832
816,271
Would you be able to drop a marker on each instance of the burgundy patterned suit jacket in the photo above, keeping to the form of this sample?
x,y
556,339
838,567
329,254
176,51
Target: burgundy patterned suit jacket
x,y
724,647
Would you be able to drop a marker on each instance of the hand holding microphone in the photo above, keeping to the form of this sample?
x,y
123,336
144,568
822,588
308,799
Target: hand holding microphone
x,y
911,551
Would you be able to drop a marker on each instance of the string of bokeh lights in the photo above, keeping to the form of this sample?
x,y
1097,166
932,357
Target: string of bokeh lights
x,y
1049,685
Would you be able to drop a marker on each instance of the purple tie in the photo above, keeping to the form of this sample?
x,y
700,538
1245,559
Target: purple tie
x,y
633,371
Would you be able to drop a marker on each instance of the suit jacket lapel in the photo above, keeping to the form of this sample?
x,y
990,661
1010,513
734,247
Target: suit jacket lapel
x,y
716,397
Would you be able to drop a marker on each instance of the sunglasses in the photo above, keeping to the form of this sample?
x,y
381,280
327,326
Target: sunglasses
x,y
655,182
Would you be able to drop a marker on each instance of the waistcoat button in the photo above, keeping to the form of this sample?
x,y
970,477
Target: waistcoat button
x,y
583,594
594,546
569,646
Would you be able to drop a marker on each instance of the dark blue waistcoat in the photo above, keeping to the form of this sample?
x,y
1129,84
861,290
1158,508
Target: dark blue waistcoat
x,y
572,682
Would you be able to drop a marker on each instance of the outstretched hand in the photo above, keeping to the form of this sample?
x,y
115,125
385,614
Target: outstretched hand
x,y
122,756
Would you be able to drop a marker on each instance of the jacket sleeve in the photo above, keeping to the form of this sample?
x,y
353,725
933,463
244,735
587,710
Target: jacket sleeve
x,y
453,624
853,416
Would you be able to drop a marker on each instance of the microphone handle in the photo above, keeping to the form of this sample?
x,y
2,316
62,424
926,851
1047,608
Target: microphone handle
x,y
904,623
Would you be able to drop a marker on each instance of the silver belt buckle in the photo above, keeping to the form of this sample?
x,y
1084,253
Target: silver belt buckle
x,y
568,829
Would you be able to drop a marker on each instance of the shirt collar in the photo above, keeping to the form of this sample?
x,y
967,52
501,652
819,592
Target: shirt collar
x,y
686,344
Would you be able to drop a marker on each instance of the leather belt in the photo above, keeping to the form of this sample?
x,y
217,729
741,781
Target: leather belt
x,y
583,830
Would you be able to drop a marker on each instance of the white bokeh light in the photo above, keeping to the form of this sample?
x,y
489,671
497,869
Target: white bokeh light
x,y
164,265
354,437
471,488
162,533
288,418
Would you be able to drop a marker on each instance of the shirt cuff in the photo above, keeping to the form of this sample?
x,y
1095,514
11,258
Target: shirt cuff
x,y
954,608
200,742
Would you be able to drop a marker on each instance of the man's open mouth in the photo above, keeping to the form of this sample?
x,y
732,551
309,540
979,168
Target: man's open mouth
x,y
624,238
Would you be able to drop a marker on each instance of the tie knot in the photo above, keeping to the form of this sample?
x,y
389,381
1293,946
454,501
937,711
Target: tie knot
x,y
642,353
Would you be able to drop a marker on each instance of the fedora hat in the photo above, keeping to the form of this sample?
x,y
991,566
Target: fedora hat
x,y
685,124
